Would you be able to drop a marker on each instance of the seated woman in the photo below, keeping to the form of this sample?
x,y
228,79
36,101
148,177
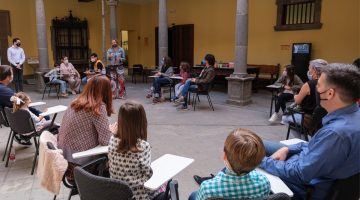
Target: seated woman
x,y
163,78
70,75
184,74
308,98
200,83
53,78
85,124
290,83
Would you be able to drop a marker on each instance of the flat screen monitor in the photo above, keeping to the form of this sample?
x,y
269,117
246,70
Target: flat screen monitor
x,y
301,48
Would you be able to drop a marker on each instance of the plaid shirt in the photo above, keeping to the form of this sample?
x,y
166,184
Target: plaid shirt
x,y
231,186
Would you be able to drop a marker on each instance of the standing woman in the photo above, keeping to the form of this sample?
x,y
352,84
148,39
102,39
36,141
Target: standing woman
x,y
70,75
116,56
85,124
290,83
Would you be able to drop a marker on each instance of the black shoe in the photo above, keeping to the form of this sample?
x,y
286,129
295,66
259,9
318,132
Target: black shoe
x,y
199,179
22,140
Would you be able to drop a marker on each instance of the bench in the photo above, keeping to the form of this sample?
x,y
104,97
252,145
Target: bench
x,y
268,73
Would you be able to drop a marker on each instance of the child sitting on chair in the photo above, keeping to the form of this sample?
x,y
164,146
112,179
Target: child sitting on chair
x,y
21,101
243,152
184,74
129,152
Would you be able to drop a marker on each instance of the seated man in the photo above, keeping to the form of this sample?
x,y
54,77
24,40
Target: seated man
x,y
200,83
243,152
333,153
6,76
95,66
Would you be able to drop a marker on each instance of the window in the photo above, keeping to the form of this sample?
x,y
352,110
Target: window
x,y
298,15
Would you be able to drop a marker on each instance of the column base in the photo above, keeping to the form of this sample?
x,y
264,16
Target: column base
x,y
239,90
39,82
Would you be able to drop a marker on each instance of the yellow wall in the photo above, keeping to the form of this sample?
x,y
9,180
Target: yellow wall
x,y
214,24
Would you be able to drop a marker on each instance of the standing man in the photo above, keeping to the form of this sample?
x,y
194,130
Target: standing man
x,y
333,152
116,56
16,58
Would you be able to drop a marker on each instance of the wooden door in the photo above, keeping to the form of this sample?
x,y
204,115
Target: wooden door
x,y
5,31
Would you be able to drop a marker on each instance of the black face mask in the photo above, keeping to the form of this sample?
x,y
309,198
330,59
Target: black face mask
x,y
114,45
18,44
320,93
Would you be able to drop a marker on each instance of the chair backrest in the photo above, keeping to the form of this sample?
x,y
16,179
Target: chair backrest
x,y
20,121
93,187
348,188
45,79
137,68
3,119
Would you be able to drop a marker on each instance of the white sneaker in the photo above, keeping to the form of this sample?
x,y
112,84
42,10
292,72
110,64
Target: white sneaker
x,y
274,117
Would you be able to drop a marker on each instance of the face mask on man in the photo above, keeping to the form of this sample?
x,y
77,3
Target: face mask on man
x,y
114,45
18,44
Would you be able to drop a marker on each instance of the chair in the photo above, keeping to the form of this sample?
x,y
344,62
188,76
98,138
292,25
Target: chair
x,y
348,188
4,122
137,70
93,187
98,163
49,84
198,92
295,126
171,87
21,123
277,196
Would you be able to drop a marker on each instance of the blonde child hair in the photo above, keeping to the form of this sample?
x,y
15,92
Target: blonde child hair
x,y
244,150
19,100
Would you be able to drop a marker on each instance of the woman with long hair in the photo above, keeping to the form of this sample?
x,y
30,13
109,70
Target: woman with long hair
x,y
85,123
290,83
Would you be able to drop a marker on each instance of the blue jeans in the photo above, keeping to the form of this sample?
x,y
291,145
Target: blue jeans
x,y
158,82
188,86
193,195
62,85
272,147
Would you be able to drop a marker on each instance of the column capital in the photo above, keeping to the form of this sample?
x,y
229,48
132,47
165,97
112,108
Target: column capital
x,y
112,2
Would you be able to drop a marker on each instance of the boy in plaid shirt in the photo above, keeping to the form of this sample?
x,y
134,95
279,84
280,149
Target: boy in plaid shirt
x,y
243,152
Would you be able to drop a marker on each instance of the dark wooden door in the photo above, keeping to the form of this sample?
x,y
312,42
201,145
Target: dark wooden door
x,y
180,44
5,31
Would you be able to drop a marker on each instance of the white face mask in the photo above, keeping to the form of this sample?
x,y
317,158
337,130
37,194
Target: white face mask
x,y
309,75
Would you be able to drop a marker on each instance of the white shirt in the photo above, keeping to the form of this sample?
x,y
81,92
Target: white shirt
x,y
16,55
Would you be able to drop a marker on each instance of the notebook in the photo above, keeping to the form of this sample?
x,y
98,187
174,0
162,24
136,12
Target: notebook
x,y
277,185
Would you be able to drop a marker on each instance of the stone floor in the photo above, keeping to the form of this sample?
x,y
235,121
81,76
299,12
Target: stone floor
x,y
199,135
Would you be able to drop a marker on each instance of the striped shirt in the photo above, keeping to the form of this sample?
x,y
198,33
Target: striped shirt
x,y
231,186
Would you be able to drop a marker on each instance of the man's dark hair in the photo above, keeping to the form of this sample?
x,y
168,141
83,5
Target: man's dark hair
x,y
357,63
15,39
346,80
210,58
94,55
5,71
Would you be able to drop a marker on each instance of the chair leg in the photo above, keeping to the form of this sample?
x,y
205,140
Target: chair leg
x,y
271,106
36,155
49,91
195,96
57,91
210,102
54,197
288,133
198,98
7,145
44,92
11,143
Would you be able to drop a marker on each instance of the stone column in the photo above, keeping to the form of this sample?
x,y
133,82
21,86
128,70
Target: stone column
x,y
42,43
163,30
239,83
113,25
103,31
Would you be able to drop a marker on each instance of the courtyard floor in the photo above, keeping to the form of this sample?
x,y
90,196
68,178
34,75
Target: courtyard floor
x,y
199,135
